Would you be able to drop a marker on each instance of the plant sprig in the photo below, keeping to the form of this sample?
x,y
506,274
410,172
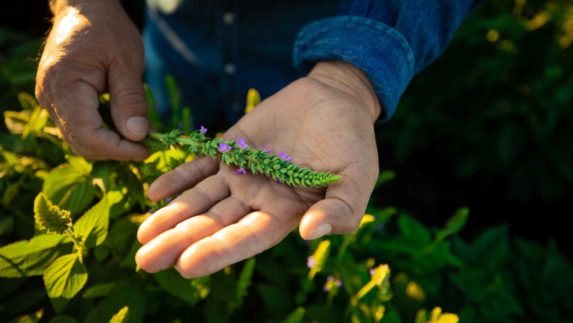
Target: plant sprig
x,y
52,218
240,155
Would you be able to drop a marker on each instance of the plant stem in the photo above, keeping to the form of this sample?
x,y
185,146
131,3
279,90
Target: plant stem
x,y
255,160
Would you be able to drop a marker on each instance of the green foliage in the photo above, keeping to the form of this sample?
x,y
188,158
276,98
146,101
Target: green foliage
x,y
393,269
65,277
498,102
121,316
29,258
18,53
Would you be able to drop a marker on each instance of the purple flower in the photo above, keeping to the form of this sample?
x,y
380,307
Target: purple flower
x,y
265,149
331,282
242,143
310,262
169,199
284,156
223,147
372,271
240,171
203,130
278,181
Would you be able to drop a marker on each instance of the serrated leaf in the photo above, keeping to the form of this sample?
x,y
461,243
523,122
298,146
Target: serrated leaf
x,y
65,277
81,165
93,225
30,257
69,189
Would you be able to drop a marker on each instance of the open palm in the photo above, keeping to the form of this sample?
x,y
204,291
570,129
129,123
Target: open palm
x,y
223,217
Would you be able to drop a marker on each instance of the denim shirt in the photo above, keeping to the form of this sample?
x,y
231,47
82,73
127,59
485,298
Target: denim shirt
x,y
217,50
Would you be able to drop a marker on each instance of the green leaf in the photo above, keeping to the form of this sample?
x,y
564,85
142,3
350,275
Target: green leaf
x,y
81,165
454,225
63,319
65,277
99,290
130,293
277,300
69,189
26,300
94,224
413,230
384,178
296,316
31,257
243,283
27,101
491,248
172,282
121,316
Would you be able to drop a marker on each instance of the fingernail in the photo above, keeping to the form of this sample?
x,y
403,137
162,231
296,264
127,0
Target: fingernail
x,y
137,125
321,230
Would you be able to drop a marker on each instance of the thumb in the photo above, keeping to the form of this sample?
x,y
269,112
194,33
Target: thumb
x,y
342,209
128,105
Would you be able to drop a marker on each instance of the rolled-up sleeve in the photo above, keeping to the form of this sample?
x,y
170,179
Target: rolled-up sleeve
x,y
389,40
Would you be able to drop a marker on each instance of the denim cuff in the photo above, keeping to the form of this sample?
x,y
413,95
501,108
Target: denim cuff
x,y
380,51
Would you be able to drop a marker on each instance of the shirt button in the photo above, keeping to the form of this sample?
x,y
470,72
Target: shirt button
x,y
229,18
229,68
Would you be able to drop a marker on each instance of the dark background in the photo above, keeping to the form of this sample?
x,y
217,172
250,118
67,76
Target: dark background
x,y
487,126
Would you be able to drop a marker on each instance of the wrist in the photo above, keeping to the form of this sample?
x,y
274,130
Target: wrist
x,y
347,78
57,6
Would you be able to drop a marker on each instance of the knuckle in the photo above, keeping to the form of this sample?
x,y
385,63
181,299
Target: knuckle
x,y
355,223
131,96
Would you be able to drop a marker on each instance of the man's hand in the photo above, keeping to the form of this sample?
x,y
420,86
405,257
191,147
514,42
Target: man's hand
x,y
323,121
94,48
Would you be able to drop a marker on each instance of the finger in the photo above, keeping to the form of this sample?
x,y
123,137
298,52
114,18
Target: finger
x,y
81,125
162,252
192,202
128,105
256,232
343,206
182,178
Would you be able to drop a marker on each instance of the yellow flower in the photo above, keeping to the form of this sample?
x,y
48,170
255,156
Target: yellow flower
x,y
439,317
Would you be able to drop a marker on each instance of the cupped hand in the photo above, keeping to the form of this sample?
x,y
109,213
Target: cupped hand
x,y
323,121
94,48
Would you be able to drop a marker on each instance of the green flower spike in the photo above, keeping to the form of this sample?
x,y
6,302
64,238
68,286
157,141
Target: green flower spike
x,y
50,217
239,155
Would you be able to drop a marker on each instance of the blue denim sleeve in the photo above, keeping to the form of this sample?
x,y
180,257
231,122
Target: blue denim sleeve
x,y
390,40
